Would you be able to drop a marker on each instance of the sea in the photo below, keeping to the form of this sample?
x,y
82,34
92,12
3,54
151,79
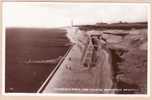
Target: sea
x,y
24,44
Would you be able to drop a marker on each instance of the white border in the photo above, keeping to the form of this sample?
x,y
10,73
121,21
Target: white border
x,y
3,52
69,94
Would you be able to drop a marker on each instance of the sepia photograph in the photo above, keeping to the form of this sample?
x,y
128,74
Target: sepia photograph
x,y
76,48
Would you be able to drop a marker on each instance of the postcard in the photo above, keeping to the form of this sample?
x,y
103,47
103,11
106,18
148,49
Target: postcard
x,y
75,48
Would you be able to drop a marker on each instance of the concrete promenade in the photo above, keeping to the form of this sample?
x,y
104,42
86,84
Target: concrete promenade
x,y
73,77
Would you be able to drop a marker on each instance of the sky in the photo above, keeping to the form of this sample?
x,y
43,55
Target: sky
x,y
44,14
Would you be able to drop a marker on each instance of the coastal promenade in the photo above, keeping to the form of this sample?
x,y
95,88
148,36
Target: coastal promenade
x,y
73,77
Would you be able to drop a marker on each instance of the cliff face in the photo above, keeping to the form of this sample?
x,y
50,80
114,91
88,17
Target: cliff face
x,y
129,58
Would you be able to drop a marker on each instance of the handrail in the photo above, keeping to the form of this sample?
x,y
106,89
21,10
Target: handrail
x,y
53,72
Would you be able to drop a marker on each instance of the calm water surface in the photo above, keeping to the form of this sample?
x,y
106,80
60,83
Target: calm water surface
x,y
23,44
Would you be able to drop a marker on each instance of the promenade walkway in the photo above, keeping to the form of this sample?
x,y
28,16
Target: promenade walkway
x,y
73,77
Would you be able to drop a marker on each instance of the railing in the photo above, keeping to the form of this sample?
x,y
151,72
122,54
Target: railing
x,y
53,72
